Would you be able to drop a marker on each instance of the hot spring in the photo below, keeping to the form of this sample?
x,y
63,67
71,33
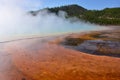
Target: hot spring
x,y
16,24
51,31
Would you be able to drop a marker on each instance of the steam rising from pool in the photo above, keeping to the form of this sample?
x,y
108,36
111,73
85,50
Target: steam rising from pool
x,y
15,22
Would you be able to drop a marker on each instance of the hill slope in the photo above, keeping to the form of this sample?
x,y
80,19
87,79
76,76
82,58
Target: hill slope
x,y
108,16
72,10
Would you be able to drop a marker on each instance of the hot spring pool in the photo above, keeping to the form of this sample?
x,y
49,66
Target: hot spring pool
x,y
49,31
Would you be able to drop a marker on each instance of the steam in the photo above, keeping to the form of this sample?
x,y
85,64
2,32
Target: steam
x,y
15,22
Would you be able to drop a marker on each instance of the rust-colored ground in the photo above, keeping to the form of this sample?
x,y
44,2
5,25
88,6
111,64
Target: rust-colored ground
x,y
36,59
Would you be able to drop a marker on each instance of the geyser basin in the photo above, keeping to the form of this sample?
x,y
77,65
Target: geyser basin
x,y
41,61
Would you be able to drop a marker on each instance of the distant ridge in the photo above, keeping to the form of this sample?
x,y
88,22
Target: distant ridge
x,y
107,16
72,10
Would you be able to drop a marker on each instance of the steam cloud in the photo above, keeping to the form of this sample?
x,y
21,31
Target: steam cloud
x,y
16,22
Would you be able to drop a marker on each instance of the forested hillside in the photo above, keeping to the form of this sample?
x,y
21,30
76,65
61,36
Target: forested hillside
x,y
107,16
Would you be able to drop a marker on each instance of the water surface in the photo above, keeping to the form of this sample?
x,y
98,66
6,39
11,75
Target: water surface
x,y
48,31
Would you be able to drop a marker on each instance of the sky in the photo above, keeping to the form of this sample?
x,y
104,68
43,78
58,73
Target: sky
x,y
89,4
40,4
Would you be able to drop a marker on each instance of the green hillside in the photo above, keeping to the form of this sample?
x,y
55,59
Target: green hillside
x,y
72,10
107,16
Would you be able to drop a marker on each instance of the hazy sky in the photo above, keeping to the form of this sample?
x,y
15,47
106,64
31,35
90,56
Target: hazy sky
x,y
89,4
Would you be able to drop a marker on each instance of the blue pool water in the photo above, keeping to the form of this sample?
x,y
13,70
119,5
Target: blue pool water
x,y
56,29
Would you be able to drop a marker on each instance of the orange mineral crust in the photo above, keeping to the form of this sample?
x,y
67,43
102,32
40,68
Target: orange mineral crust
x,y
38,60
